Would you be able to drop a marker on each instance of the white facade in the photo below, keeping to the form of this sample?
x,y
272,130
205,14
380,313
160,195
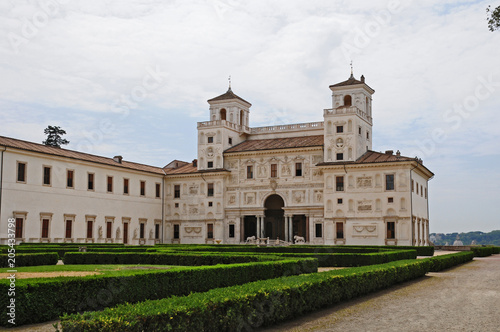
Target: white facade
x,y
320,181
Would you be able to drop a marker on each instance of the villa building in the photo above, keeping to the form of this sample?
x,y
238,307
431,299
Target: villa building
x,y
318,181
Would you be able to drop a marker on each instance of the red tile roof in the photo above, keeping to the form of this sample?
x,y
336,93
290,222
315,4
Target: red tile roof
x,y
40,148
350,81
227,96
277,143
379,157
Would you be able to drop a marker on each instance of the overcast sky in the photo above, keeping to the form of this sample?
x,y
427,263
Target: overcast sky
x,y
133,77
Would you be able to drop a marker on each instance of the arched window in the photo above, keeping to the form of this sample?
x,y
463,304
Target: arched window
x,y
223,114
347,100
241,118
367,106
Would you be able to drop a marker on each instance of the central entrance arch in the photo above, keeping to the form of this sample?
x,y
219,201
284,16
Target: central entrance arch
x,y
274,221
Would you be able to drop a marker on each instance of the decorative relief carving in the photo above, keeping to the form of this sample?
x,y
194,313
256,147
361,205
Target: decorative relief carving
x,y
192,231
299,196
318,196
286,170
249,198
193,189
364,182
365,205
232,199
361,230
193,209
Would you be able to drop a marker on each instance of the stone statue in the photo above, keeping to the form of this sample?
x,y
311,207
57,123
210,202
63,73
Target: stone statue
x,y
135,234
118,233
100,232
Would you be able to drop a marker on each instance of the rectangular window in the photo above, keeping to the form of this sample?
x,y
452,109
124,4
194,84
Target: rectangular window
x,y
210,164
421,191
425,192
340,156
412,186
230,140
177,191
339,201
210,204
110,184
367,135
389,182
390,200
176,205
319,230
391,234
69,226
21,172
339,230
340,129
359,130
125,186
19,227
157,190
210,231
231,230
143,188
339,180
417,188
109,229
46,175
274,170
90,228
298,169
157,231
45,228
210,189
210,139
176,231
250,172
69,178
90,181
142,229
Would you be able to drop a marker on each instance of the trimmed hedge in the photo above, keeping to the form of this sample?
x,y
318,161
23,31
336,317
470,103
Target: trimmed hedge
x,y
62,250
40,300
439,263
30,259
483,251
162,258
248,306
350,260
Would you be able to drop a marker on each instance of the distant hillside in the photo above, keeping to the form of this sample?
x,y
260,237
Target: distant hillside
x,y
491,238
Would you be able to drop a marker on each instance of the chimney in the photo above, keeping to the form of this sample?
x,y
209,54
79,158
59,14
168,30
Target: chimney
x,y
398,153
389,152
363,78
195,162
118,159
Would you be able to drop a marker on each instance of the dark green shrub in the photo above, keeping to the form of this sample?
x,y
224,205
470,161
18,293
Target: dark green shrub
x,y
39,300
33,259
483,251
442,262
249,306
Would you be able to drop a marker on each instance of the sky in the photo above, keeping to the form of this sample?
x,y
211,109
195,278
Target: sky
x,y
133,79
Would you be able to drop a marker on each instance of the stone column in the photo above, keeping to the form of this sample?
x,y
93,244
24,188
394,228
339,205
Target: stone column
x,y
262,228
258,227
242,229
290,228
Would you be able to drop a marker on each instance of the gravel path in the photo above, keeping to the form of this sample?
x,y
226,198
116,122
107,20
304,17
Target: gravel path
x,y
464,298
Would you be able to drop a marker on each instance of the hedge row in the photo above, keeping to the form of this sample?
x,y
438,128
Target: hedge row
x,y
45,299
483,251
165,258
69,244
248,306
349,260
61,251
442,262
277,249
29,259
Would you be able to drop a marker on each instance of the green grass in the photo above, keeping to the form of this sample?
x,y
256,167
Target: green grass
x,y
109,270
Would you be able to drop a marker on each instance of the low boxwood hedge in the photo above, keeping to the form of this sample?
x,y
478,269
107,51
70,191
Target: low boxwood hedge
x,y
442,262
163,258
248,306
483,251
33,259
40,300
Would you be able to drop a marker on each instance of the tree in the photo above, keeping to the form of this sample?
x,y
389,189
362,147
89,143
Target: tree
x,y
493,18
54,136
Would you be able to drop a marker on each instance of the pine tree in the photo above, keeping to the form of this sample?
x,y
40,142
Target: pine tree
x,y
54,136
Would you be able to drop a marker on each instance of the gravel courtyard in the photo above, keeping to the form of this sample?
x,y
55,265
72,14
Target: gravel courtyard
x,y
464,298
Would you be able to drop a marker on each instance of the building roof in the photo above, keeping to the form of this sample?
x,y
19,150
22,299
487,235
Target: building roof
x,y
60,152
228,96
351,81
277,143
189,168
370,157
